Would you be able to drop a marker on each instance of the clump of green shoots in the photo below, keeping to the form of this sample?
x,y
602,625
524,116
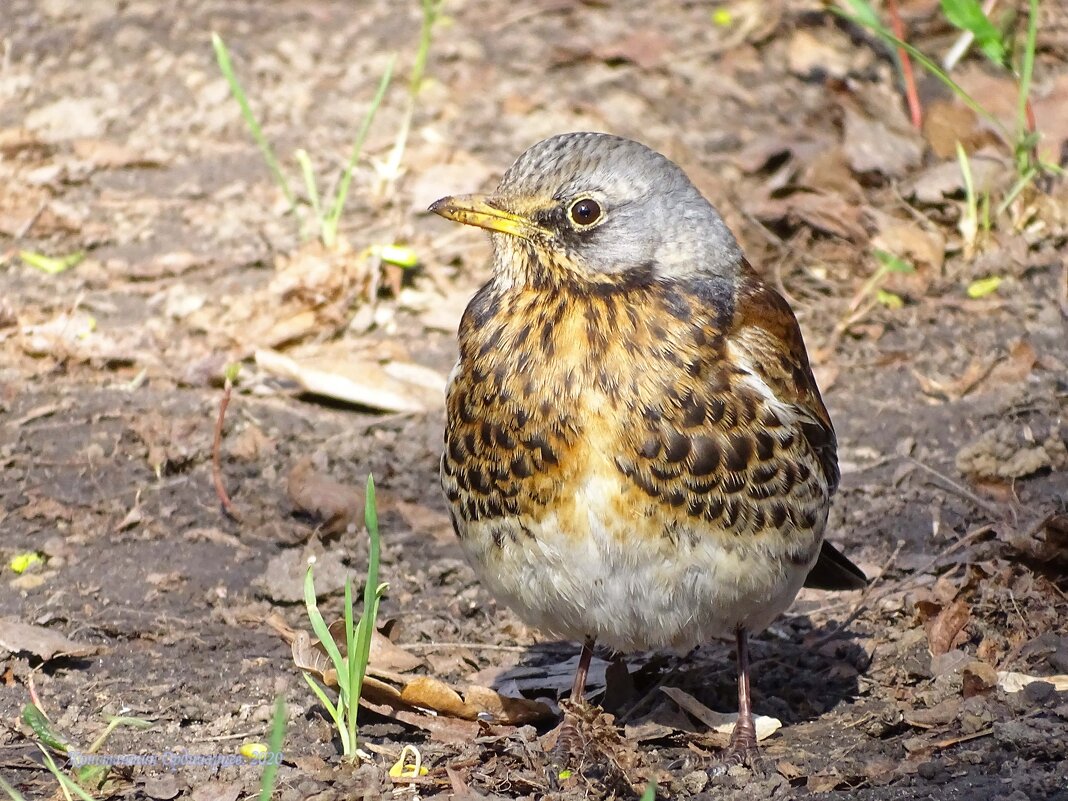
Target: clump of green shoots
x,y
390,170
969,17
351,666
327,215
49,740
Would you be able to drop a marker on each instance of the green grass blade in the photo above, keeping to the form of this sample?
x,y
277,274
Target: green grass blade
x,y
431,9
350,680
319,625
342,193
650,792
274,746
66,782
222,56
1017,188
931,67
12,793
33,717
362,651
1027,68
309,184
324,699
968,15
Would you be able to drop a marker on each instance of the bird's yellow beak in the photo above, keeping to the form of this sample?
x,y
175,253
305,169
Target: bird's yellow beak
x,y
478,210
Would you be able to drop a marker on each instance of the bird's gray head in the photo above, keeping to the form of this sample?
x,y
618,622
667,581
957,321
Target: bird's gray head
x,y
600,208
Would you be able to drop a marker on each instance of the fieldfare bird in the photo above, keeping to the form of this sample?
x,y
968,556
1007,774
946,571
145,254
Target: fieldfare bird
x,y
636,452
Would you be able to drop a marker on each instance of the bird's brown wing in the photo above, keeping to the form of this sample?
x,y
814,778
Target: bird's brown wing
x,y
764,320
766,325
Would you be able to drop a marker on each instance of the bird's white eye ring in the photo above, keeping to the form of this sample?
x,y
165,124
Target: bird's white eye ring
x,y
585,212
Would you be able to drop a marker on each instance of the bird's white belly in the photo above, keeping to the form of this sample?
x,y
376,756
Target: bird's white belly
x,y
626,582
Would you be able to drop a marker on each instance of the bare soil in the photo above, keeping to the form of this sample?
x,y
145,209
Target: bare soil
x,y
118,137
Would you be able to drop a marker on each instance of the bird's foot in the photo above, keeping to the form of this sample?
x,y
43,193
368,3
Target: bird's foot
x,y
742,751
565,745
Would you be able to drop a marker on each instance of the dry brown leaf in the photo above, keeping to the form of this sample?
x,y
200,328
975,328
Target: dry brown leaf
x,y
646,48
1012,682
337,505
944,628
829,213
823,51
934,184
443,729
250,444
502,709
722,722
309,654
1015,367
431,693
888,145
387,655
977,678
947,122
171,443
921,246
332,372
424,519
217,791
956,388
42,642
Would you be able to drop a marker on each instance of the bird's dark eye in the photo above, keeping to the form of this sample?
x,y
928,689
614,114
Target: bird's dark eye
x,y
585,212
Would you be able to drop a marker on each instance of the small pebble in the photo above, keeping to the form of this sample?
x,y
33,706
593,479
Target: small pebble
x,y
1038,692
694,781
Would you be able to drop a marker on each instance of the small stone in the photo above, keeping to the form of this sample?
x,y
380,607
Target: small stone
x,y
694,781
1038,692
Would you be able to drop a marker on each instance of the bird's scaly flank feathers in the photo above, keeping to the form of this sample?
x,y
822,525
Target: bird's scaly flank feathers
x,y
766,327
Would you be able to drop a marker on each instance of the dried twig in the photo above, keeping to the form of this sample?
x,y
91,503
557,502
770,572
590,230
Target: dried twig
x,y
913,97
964,492
216,448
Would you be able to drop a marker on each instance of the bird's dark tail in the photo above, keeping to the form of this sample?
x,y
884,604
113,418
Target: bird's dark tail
x,y
833,571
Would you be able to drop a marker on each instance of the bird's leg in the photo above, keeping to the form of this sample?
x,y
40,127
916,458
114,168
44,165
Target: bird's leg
x,y
743,744
578,689
568,740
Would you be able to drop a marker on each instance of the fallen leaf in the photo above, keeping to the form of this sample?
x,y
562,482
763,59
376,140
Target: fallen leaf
x,y
721,722
42,642
646,48
1012,682
934,184
453,731
217,791
336,504
392,386
831,214
977,678
956,388
943,628
947,122
888,145
387,655
919,245
504,709
431,693
162,787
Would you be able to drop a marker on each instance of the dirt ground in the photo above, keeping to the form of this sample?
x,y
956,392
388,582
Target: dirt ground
x,y
118,138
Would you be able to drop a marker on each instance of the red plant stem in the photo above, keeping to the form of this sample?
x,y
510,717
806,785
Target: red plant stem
x,y
913,97
216,448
